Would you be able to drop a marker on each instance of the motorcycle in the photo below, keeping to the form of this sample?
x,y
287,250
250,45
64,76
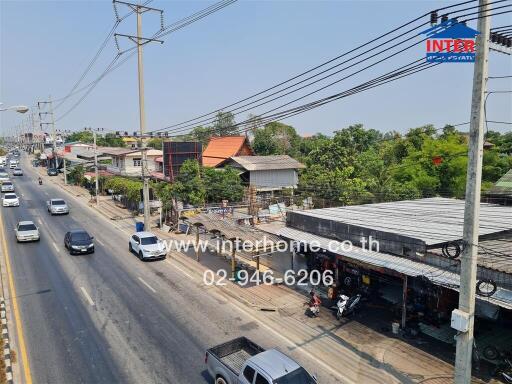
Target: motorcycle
x,y
40,181
503,369
346,305
313,310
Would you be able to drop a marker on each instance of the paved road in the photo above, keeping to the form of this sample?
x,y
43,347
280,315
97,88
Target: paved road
x,y
108,317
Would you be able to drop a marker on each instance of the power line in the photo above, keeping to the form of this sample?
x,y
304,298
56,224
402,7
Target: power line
x,y
321,65
171,28
96,56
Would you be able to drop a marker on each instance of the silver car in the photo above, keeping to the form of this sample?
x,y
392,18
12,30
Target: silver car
x,y
26,231
17,172
57,207
7,186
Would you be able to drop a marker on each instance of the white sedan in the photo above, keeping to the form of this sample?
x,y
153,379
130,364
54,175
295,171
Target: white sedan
x,y
10,200
26,231
147,246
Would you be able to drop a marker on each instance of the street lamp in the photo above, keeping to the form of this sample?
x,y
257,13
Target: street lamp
x,y
17,108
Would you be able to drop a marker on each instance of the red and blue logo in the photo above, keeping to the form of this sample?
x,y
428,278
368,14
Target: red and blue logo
x,y
450,42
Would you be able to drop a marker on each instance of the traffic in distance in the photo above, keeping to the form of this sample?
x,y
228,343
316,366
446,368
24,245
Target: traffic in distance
x,y
239,361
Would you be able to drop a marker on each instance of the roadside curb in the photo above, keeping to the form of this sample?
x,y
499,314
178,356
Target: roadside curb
x,y
7,344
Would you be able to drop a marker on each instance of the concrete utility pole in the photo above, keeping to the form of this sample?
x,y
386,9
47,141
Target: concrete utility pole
x,y
468,270
96,173
140,41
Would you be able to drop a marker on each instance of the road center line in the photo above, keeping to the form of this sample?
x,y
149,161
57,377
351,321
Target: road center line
x,y
147,285
87,297
55,246
179,269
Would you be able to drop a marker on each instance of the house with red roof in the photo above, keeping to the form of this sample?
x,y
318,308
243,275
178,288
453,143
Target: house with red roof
x,y
220,149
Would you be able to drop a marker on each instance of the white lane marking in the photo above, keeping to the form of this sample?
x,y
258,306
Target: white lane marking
x,y
39,221
147,285
87,297
179,269
55,246
100,242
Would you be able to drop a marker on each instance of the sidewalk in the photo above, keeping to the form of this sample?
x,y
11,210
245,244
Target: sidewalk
x,y
363,354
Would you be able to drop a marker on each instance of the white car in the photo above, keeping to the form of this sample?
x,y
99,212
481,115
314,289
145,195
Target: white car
x,y
4,176
26,231
10,200
147,246
6,186
13,164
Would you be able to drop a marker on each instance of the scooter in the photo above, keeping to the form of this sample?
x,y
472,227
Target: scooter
x,y
346,305
313,310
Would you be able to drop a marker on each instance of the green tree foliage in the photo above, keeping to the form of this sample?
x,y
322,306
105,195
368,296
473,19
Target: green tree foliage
x,y
198,185
222,184
76,175
155,143
126,187
276,139
106,140
224,125
188,186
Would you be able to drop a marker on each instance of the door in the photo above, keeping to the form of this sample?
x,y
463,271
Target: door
x,y
135,243
247,375
260,379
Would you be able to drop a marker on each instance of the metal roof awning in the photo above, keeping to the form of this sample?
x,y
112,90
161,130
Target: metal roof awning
x,y
212,222
438,276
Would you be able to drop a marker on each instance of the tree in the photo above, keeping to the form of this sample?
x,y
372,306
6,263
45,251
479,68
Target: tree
x,y
222,184
188,185
155,143
201,134
276,139
224,125
76,175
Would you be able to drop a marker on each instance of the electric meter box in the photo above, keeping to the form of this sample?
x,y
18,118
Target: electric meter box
x,y
460,320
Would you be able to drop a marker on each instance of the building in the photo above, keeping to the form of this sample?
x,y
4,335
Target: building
x,y
267,173
176,153
220,149
408,254
501,192
128,162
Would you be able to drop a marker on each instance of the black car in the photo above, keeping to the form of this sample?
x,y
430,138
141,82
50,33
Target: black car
x,y
52,172
78,241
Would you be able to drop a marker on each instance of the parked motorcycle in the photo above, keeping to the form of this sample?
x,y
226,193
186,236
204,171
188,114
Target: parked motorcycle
x,y
346,305
503,369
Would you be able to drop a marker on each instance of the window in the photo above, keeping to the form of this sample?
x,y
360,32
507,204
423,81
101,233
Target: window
x,y
260,380
249,373
149,240
137,162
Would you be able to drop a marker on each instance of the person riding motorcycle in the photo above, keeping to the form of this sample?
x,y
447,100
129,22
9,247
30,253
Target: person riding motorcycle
x,y
40,180
314,303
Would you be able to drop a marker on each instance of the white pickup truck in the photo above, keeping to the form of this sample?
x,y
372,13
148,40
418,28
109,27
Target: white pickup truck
x,y
240,361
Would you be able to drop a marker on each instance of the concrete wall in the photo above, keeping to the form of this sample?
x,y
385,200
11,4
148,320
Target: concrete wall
x,y
274,179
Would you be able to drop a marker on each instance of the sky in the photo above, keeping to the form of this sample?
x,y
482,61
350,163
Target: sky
x,y
45,46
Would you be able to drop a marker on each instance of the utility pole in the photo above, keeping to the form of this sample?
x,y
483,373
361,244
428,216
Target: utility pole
x,y
468,268
96,173
140,41
49,111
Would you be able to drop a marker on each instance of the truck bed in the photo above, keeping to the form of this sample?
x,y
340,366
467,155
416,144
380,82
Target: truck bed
x,y
236,360
235,353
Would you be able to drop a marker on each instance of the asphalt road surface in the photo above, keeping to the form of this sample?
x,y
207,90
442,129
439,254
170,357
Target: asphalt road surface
x,y
108,317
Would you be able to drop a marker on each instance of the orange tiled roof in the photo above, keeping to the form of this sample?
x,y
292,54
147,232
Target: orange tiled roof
x,y
219,149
